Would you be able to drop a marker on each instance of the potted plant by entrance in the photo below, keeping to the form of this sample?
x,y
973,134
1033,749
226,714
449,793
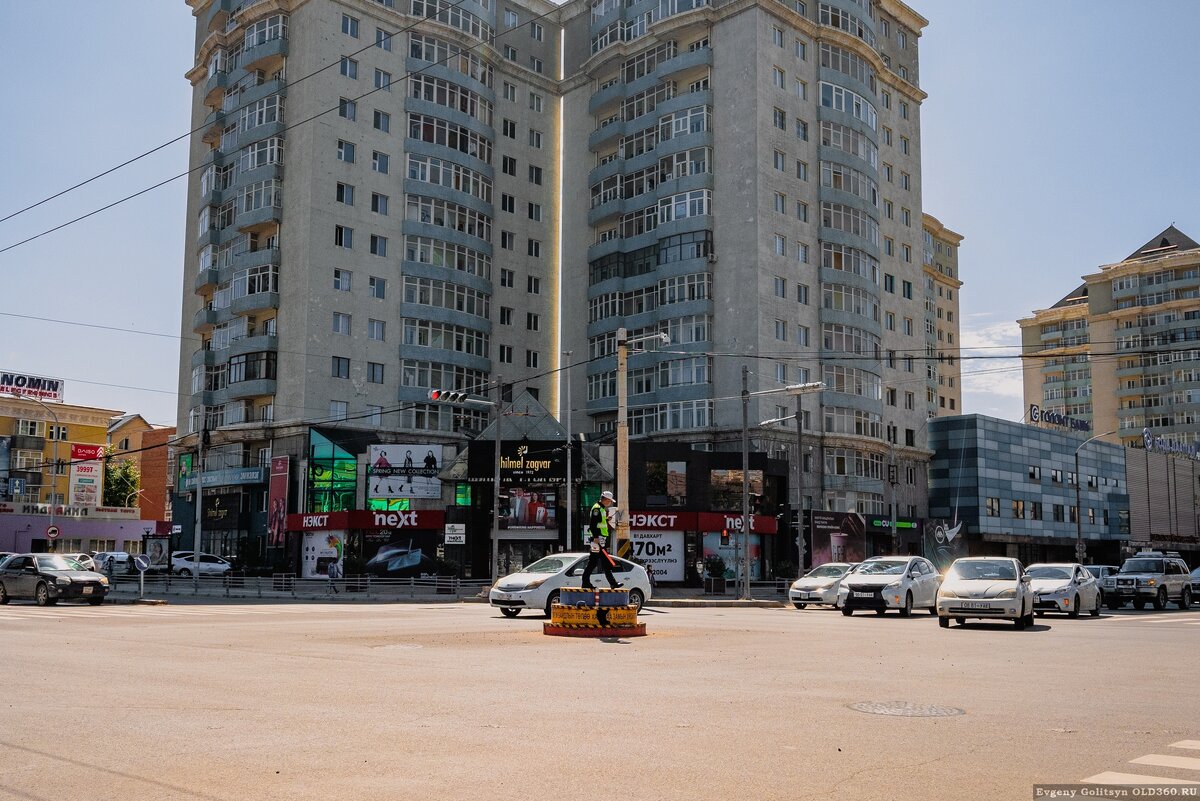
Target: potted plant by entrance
x,y
714,580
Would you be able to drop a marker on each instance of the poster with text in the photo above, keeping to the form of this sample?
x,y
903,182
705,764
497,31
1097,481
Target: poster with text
x,y
404,470
87,475
322,549
278,500
528,507
660,552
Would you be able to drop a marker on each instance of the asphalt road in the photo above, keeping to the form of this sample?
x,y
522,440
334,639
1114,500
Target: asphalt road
x,y
224,702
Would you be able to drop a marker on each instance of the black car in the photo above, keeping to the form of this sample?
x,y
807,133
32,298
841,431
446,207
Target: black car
x,y
47,578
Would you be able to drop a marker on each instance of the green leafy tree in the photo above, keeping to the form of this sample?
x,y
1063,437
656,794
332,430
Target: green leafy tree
x,y
122,480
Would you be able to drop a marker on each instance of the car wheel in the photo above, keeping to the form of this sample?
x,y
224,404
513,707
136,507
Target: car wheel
x,y
1099,598
41,596
798,606
551,600
185,573
3,595
636,599
847,611
509,611
1160,600
1096,608
1029,619
1139,604
906,610
1185,598
933,610
1020,623
944,622
95,601
1074,607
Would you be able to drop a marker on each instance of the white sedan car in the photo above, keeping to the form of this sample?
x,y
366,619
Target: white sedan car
x,y
537,586
819,585
987,587
1064,587
890,582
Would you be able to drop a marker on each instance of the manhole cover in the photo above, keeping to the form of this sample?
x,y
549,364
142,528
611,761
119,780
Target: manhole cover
x,y
905,709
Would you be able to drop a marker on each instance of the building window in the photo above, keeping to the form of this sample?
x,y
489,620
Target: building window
x,y
1035,472
378,245
380,162
531,358
375,330
343,237
779,117
533,322
350,26
511,20
338,410
1058,511
907,288
536,65
383,121
533,285
535,173
341,280
508,165
347,109
345,151
536,32
506,277
508,203
374,373
509,129
383,80
377,287
535,102
535,212
345,194
341,367
506,355
510,92
1018,509
506,315
506,239
780,160
534,248
379,203
383,39
802,170
341,323
780,287
348,67
993,507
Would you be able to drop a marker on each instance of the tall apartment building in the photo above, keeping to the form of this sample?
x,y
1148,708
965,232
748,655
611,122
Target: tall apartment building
x,y
754,191
362,233
941,316
1119,352
391,196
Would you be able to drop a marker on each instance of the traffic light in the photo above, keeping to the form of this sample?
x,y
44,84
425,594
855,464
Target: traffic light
x,y
447,396
724,536
893,475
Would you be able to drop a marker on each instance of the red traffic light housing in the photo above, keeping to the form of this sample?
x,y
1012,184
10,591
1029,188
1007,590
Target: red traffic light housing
x,y
447,396
724,536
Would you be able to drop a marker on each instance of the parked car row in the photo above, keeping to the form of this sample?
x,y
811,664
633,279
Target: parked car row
x,y
997,588
537,586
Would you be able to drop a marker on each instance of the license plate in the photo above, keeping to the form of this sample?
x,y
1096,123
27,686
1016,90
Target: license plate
x,y
87,590
862,595
976,605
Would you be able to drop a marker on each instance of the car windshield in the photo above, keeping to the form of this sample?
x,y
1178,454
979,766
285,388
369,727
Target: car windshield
x,y
551,564
880,567
983,571
1142,566
827,571
1050,572
57,563
1095,570
1195,573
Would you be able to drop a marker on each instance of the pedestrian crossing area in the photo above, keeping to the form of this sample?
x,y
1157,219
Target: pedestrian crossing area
x,y
1156,619
1179,763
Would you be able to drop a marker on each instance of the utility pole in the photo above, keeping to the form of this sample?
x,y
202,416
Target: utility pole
x,y
570,504
622,435
745,538
202,443
496,483
893,475
799,486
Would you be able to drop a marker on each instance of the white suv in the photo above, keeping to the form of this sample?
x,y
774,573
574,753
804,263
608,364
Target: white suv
x,y
1150,576
890,582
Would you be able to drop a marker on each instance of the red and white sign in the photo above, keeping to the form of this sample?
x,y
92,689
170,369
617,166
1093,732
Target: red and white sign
x,y
700,521
52,532
367,519
87,475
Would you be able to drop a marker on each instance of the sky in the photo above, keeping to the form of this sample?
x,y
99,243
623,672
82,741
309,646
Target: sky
x,y
1057,137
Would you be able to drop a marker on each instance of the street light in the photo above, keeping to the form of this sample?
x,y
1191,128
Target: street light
x,y
623,343
445,396
1080,549
791,389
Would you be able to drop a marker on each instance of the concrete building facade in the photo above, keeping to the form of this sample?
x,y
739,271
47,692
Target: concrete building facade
x,y
1119,353
942,285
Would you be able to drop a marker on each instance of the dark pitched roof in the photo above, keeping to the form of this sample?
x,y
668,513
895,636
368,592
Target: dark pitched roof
x,y
1078,296
1170,239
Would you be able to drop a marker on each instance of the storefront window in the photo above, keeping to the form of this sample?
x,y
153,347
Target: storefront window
x,y
462,494
725,488
332,476
666,483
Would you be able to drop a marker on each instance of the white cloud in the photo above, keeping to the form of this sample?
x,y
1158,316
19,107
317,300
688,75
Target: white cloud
x,y
991,386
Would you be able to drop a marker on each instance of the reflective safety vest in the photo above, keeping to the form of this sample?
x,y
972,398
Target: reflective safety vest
x,y
600,510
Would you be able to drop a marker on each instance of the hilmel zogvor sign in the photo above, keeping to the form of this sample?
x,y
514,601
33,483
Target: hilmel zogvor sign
x,y
31,386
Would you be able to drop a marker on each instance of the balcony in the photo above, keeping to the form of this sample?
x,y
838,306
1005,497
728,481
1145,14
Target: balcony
x,y
214,89
253,344
204,319
255,258
251,304
204,356
259,219
254,388
602,137
22,442
607,95
32,478
209,236
597,215
206,280
267,56
685,61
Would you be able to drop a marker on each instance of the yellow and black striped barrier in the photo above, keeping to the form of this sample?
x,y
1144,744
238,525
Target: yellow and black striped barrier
x,y
595,612
561,615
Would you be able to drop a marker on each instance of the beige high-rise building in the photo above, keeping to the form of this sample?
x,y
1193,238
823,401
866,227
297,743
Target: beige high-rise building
x,y
941,314
1121,352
